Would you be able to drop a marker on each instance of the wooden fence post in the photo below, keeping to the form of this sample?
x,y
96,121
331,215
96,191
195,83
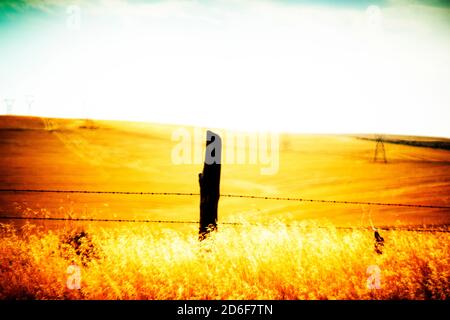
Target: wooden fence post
x,y
209,181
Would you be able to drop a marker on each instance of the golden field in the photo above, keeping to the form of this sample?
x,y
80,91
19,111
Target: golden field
x,y
283,250
277,262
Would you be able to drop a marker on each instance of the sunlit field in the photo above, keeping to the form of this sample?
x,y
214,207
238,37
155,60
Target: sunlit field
x,y
299,261
279,250
219,150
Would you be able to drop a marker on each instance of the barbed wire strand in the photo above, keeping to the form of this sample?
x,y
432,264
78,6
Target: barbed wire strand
x,y
369,203
386,228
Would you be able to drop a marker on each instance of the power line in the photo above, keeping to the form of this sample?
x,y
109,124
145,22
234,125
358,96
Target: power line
x,y
369,203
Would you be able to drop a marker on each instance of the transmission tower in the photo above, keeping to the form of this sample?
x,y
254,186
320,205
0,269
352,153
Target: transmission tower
x,y
379,148
9,105
29,98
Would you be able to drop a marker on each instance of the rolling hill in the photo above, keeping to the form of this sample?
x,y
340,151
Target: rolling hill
x,y
38,153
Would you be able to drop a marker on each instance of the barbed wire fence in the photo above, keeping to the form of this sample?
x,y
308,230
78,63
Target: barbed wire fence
x,y
149,193
187,194
49,125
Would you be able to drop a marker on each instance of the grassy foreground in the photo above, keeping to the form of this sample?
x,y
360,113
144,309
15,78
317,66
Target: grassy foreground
x,y
239,262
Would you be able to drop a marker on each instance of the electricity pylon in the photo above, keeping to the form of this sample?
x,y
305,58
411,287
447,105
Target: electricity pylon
x,y
379,148
9,105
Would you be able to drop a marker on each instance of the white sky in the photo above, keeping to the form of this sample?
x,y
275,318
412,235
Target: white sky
x,y
245,65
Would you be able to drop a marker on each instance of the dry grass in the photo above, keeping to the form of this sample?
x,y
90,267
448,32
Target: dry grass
x,y
251,262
